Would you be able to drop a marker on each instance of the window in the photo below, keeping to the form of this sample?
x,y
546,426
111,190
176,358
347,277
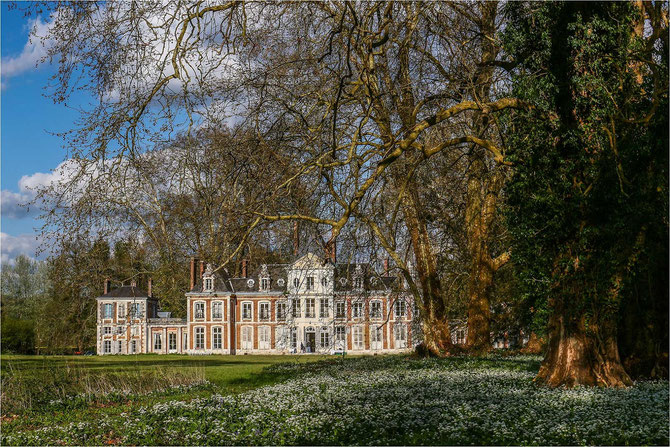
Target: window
x,y
375,309
323,308
172,341
265,283
415,311
281,311
357,309
324,282
310,282
157,342
122,311
107,330
324,338
296,283
217,310
294,338
295,308
119,346
119,330
340,332
209,283
400,309
460,336
133,346
263,337
247,337
246,311
200,338
264,311
358,337
108,311
400,335
135,331
199,310
107,346
358,283
310,310
280,282
340,309
376,338
136,310
217,338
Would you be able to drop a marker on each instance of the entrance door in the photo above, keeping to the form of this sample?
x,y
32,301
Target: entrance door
x,y
247,337
310,341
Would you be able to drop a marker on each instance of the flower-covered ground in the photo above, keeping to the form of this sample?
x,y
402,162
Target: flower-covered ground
x,y
385,400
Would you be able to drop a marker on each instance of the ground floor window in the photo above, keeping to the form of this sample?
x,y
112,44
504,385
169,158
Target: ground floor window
x,y
324,338
400,335
340,332
217,338
247,337
172,341
119,346
264,337
294,338
157,342
376,337
358,337
200,338
133,346
107,346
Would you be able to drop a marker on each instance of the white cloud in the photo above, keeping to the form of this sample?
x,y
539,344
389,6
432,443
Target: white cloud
x,y
32,54
12,246
13,204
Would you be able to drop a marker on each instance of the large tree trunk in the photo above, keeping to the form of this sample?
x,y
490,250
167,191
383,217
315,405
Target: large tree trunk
x,y
577,356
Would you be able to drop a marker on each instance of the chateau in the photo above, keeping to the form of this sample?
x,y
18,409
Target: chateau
x,y
310,306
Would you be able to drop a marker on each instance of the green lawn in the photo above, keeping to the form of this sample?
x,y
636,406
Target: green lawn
x,y
229,373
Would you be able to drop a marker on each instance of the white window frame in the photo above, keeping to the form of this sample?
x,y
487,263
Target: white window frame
x,y
296,283
376,338
136,310
261,305
357,338
172,337
121,310
209,284
265,283
217,304
264,340
342,304
340,333
107,330
282,307
324,282
133,346
108,311
158,341
107,347
357,309
197,315
400,309
295,308
217,337
374,315
247,305
460,336
247,337
358,283
324,338
309,284
310,308
119,346
199,332
324,308
400,335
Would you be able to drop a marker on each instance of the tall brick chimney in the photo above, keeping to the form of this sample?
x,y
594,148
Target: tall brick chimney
x,y
202,269
245,265
133,283
386,267
149,284
107,286
193,263
331,250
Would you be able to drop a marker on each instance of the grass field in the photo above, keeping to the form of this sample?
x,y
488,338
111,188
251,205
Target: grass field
x,y
381,400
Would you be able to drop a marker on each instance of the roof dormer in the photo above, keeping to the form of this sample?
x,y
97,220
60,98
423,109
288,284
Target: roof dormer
x,y
208,279
264,280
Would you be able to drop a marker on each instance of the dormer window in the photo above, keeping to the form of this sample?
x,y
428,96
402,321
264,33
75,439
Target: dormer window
x,y
324,282
358,283
265,283
208,279
264,277
296,283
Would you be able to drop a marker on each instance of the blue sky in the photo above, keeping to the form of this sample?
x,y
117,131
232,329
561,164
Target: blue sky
x,y
29,150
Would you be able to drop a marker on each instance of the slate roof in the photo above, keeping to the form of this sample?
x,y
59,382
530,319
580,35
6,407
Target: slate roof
x,y
346,273
125,292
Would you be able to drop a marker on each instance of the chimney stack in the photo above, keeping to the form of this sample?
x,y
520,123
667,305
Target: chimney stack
x,y
331,249
193,262
296,238
202,269
386,267
149,287
107,286
133,283
245,264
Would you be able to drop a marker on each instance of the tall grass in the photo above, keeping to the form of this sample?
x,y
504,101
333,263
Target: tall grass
x,y
71,384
